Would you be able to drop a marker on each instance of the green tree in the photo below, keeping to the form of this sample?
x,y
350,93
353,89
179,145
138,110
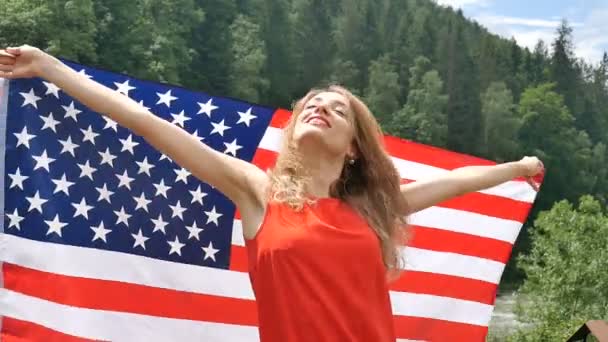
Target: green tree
x,y
210,42
423,118
562,67
548,131
248,56
501,125
566,280
383,91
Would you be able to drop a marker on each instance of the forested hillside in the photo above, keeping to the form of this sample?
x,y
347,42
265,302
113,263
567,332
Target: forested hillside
x,y
428,73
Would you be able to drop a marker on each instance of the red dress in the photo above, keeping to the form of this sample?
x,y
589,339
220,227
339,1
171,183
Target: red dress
x,y
318,276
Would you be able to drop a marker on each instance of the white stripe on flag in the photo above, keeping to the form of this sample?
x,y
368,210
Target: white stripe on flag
x,y
444,308
520,191
452,264
117,326
108,265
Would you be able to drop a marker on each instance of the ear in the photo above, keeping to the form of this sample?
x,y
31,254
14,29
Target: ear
x,y
353,151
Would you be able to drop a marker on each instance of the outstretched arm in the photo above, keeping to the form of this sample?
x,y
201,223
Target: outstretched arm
x,y
426,193
237,179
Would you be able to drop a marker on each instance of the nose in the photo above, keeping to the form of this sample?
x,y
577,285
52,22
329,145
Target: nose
x,y
321,109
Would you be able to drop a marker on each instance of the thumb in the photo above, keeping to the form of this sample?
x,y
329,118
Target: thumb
x,y
14,50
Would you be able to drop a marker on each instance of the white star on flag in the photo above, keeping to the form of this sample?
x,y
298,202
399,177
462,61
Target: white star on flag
x,y
71,111
141,103
86,170
182,175
82,209
232,148
159,224
178,210
165,98
124,87
142,202
213,216
144,166
49,122
68,146
128,144
51,89
176,246
107,157
14,219
194,231
104,193
43,161
161,189
140,239
207,108
62,185
198,195
55,226
125,180
83,72
122,217
110,123
246,117
30,98
89,135
24,138
100,232
36,202
219,128
17,179
210,252
180,119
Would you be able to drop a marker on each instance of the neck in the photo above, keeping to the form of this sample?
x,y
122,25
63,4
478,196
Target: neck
x,y
323,170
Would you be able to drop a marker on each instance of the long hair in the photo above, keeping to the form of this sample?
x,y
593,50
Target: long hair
x,y
371,185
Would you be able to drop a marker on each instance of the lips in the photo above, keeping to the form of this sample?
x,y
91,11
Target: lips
x,y
319,117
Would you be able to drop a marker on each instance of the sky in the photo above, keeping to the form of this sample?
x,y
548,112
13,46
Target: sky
x,y
530,20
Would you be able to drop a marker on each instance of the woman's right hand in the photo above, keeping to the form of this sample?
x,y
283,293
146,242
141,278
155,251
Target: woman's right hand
x,y
22,62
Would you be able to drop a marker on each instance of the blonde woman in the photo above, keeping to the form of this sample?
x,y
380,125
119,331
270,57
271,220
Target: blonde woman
x,y
322,227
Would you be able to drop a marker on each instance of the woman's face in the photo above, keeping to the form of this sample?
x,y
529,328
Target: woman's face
x,y
326,118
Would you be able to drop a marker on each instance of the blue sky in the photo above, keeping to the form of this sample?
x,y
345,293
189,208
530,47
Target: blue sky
x,y
531,20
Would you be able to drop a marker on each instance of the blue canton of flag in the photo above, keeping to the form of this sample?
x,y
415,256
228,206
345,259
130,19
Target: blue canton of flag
x,y
75,177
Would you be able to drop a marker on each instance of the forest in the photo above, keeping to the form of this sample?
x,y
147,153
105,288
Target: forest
x,y
428,73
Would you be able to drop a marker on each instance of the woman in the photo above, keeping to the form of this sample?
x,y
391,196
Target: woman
x,y
323,227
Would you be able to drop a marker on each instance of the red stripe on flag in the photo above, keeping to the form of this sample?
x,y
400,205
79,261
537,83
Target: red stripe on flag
x,y
447,241
14,330
280,118
238,259
125,297
445,286
428,329
430,155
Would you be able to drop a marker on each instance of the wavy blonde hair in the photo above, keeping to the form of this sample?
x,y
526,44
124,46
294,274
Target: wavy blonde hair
x,y
371,185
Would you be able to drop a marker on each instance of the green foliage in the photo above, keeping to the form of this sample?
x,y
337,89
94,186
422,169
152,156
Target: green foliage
x,y
249,56
500,123
382,93
566,280
423,118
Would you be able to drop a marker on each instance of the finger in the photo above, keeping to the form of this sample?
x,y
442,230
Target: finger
x,y
6,54
4,59
532,183
6,67
6,74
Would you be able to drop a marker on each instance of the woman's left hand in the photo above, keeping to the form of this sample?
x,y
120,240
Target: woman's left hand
x,y
531,167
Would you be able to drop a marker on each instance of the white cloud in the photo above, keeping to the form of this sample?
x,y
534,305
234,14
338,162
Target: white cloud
x,y
589,36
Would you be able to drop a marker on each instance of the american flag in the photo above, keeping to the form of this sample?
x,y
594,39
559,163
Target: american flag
x,y
105,238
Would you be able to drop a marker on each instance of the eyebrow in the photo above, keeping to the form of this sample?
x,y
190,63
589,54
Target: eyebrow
x,y
317,99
